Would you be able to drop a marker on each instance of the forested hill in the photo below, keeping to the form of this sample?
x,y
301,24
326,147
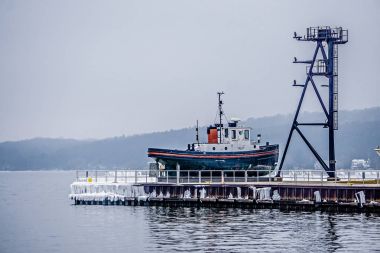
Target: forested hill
x,y
358,135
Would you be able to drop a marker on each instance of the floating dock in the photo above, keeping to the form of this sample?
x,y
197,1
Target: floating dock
x,y
358,191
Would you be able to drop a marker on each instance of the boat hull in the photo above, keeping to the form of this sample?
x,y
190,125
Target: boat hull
x,y
264,159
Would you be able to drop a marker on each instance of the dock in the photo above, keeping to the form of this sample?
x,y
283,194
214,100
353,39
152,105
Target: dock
x,y
301,190
328,189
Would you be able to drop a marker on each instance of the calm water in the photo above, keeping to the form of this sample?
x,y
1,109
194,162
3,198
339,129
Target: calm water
x,y
36,216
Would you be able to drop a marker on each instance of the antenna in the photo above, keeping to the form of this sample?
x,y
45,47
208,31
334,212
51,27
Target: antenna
x,y
220,103
325,67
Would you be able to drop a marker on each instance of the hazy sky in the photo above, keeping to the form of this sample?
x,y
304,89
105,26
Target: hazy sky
x,y
95,69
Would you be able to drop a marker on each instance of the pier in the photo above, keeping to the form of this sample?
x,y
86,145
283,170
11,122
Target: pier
x,y
326,190
304,190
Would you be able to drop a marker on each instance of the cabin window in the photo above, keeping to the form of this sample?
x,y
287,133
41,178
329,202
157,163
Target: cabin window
x,y
240,132
226,132
213,148
225,148
246,134
233,133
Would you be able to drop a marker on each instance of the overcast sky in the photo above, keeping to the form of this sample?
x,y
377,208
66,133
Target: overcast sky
x,y
96,69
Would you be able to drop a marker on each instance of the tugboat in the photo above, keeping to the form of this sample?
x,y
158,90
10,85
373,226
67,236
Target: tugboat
x,y
229,147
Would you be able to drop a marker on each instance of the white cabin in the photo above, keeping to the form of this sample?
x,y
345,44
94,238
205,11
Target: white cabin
x,y
228,139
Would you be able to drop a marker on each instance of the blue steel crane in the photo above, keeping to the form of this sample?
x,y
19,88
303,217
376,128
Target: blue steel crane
x,y
327,67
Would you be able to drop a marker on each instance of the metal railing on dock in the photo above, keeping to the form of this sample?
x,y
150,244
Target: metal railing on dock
x,y
232,176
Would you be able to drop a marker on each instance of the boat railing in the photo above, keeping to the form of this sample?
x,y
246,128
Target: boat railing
x,y
347,176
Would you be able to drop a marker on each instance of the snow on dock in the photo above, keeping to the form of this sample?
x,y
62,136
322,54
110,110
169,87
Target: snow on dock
x,y
88,191
300,190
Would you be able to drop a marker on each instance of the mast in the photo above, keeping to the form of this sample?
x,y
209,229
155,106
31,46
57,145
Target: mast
x,y
220,103
197,135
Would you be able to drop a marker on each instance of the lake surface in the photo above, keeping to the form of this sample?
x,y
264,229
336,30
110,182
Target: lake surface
x,y
37,216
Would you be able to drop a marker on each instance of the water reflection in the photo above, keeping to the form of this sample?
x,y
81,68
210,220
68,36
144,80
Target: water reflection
x,y
332,236
33,219
241,230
